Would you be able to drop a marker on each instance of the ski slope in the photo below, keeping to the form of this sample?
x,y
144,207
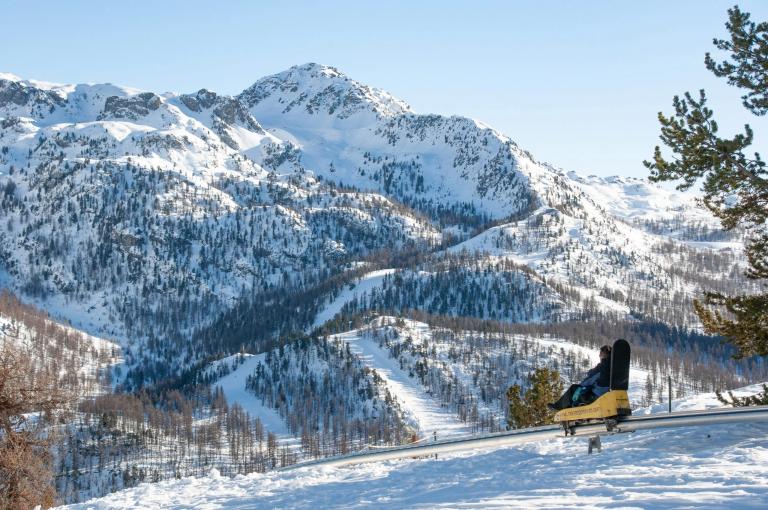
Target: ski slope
x,y
233,386
359,288
723,466
421,409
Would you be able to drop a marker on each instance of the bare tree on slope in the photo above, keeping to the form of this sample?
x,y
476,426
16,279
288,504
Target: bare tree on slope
x,y
27,401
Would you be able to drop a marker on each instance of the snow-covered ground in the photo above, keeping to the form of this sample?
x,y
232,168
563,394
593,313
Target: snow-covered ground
x,y
723,466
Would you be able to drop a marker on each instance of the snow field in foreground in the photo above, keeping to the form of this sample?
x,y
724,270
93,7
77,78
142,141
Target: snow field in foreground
x,y
723,466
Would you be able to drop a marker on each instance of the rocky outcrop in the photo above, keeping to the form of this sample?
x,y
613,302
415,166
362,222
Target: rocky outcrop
x,y
225,111
131,107
14,94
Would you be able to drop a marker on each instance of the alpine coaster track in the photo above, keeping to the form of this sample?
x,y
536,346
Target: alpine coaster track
x,y
521,436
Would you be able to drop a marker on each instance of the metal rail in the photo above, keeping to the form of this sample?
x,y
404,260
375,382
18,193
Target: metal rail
x,y
627,424
693,418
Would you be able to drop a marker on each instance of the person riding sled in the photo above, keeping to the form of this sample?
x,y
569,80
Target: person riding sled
x,y
596,383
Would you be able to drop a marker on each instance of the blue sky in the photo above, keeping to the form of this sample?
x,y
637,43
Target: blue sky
x,y
576,83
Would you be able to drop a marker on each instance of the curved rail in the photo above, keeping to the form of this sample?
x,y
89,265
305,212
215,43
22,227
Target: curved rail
x,y
627,424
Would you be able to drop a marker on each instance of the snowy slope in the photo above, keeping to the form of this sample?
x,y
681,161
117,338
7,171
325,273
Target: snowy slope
x,y
420,408
714,467
628,197
77,360
233,385
657,210
356,290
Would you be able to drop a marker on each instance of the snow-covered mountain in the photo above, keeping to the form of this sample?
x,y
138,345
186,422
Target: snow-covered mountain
x,y
192,225
359,136
311,267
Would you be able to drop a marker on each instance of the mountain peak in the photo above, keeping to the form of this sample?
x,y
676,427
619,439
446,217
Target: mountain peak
x,y
317,89
313,67
9,77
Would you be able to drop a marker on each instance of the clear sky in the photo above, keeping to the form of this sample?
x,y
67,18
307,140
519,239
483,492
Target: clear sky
x,y
578,83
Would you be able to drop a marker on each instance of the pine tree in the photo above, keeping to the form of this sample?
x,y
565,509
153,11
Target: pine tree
x,y
735,185
759,399
530,409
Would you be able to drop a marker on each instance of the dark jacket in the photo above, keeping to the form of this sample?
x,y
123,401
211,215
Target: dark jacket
x,y
604,369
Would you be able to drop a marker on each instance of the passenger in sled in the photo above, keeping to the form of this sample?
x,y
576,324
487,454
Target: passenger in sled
x,y
597,383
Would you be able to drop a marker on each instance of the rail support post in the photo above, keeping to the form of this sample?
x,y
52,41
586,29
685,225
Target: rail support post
x,y
594,443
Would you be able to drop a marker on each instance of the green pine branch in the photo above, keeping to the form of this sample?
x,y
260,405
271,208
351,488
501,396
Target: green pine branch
x,y
734,184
